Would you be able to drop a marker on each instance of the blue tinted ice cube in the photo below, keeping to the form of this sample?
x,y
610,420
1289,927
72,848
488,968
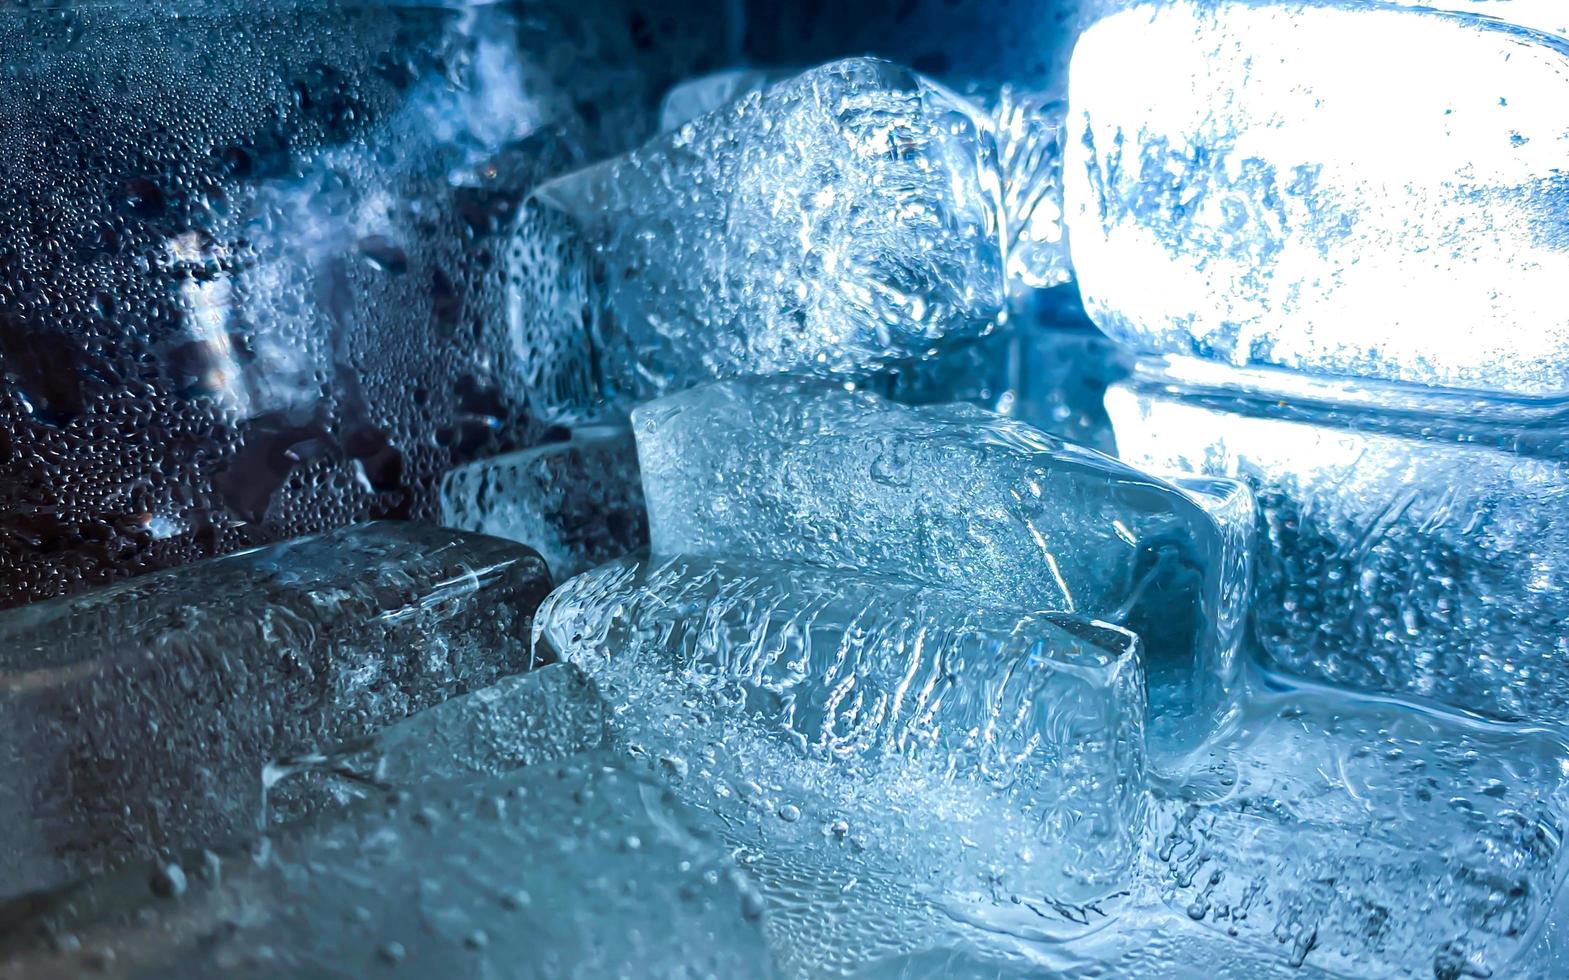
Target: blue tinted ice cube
x,y
804,471
828,223
1045,709
136,719
1354,189
1426,554
1370,838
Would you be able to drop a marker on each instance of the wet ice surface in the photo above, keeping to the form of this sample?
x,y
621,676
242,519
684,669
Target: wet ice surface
x,y
720,827
1362,207
1320,832
1369,838
1407,553
831,222
136,719
570,868
261,260
548,713
953,495
1027,127
579,503
1046,710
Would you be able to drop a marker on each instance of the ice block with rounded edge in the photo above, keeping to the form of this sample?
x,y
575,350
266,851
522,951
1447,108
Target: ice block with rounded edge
x,y
1044,709
1350,189
797,470
828,223
137,719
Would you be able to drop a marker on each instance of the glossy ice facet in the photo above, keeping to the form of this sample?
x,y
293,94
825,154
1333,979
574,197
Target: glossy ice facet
x,y
1370,838
578,503
1351,189
1417,553
577,869
952,495
1045,708
829,223
138,718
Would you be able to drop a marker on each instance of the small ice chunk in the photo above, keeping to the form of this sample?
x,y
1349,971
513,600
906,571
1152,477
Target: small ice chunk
x,y
546,714
138,718
1046,708
828,223
1316,186
578,503
1424,554
1370,838
577,868
802,471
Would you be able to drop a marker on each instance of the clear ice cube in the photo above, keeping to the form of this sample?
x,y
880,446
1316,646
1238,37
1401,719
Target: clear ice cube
x,y
1416,553
1353,189
1028,130
1047,709
804,471
138,718
577,868
1370,838
829,223
578,503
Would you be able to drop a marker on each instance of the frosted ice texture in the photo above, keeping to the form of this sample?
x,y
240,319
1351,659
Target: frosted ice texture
x,y
575,869
1416,554
578,503
1352,189
829,223
1369,838
796,470
1046,709
138,718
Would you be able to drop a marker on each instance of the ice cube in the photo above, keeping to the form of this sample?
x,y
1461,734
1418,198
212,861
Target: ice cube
x,y
1028,130
1358,190
1046,708
578,503
577,868
1416,553
798,470
138,718
1370,838
829,223
546,714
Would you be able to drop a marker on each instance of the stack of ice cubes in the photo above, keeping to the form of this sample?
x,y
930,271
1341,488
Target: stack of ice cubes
x,y
868,657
